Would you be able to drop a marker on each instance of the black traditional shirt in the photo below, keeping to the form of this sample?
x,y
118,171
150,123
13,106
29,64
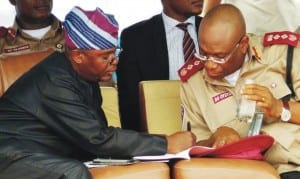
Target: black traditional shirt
x,y
51,109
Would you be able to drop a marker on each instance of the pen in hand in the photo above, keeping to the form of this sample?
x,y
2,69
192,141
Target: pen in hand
x,y
188,126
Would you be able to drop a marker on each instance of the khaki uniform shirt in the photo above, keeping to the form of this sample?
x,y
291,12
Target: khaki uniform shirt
x,y
209,104
14,41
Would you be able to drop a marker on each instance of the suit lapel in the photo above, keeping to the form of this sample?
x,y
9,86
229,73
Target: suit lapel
x,y
160,44
197,23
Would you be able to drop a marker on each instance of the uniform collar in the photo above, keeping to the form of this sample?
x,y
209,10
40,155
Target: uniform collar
x,y
55,27
255,50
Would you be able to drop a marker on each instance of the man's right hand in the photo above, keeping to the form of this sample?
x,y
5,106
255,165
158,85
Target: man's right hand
x,y
224,135
180,141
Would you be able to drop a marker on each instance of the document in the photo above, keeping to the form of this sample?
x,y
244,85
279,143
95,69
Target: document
x,y
250,147
186,154
103,162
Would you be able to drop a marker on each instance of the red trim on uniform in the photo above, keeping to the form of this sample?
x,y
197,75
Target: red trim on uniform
x,y
189,68
283,37
3,31
11,33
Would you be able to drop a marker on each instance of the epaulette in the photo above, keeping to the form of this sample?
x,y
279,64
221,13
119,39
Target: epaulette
x,y
10,32
283,37
189,68
3,31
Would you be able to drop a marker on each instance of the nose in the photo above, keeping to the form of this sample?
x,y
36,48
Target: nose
x,y
114,61
210,65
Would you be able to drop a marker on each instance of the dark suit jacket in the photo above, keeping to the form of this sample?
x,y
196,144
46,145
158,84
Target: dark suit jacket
x,y
144,57
51,110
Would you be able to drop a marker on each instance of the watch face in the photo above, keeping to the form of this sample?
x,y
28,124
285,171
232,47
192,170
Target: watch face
x,y
285,115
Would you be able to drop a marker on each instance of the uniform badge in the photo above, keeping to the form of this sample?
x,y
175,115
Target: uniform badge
x,y
220,97
189,68
16,49
283,37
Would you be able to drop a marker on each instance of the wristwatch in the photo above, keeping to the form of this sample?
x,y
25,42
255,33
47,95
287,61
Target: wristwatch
x,y
285,113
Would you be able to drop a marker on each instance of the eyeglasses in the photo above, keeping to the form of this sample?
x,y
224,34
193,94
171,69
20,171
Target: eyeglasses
x,y
109,59
205,58
117,53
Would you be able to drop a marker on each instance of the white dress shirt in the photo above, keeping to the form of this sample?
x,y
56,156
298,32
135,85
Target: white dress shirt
x,y
174,37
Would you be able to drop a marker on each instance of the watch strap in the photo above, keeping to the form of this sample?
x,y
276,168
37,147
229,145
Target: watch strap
x,y
286,105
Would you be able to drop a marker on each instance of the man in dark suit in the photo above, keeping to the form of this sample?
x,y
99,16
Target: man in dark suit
x,y
152,50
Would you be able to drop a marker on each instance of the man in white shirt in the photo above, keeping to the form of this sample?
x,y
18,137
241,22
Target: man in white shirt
x,y
153,50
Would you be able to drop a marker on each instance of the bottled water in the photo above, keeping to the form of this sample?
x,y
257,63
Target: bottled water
x,y
246,108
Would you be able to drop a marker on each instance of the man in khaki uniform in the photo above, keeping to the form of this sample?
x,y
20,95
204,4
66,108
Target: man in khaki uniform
x,y
34,29
213,84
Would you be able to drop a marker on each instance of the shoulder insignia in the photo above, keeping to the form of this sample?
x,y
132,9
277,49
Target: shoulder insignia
x,y
11,33
283,37
3,31
189,68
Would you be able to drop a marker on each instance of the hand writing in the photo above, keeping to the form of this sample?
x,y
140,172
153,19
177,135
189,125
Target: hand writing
x,y
180,141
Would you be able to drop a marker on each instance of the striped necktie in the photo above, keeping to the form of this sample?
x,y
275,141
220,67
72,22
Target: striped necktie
x,y
188,43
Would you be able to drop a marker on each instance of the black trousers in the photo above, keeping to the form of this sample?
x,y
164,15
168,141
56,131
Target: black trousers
x,y
41,166
290,175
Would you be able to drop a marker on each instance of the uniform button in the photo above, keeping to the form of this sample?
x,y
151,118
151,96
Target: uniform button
x,y
59,46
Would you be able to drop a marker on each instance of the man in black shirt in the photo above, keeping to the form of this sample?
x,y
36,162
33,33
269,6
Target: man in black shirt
x,y
51,118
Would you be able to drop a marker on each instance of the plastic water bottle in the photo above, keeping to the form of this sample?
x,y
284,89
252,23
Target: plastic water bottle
x,y
246,108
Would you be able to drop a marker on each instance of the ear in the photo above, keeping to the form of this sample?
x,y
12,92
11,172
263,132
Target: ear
x,y
77,56
13,2
245,44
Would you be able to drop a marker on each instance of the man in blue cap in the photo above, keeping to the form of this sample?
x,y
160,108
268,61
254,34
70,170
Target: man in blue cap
x,y
51,118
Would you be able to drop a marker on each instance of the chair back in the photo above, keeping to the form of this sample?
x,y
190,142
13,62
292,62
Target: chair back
x,y
14,66
110,106
160,106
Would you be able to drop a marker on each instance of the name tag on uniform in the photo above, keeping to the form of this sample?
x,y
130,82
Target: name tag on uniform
x,y
220,97
17,49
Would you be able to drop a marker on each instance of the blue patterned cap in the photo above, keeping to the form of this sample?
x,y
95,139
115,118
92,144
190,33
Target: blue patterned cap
x,y
90,29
